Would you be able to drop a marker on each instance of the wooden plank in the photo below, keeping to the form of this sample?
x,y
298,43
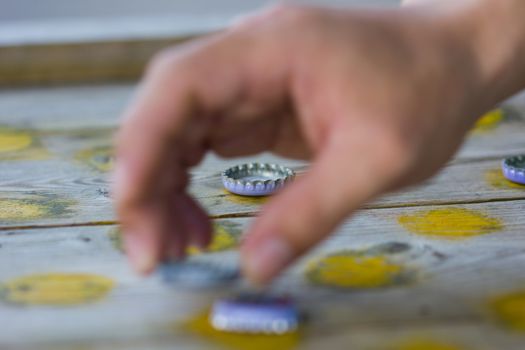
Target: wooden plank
x,y
89,47
458,183
99,106
71,186
449,284
66,107
86,50
78,62
453,336
61,166
506,139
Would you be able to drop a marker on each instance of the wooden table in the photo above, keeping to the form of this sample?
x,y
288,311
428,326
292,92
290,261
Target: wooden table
x,y
440,266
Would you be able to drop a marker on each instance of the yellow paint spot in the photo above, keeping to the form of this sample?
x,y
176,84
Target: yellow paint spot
x,y
222,240
100,158
33,207
18,144
495,178
201,326
450,223
18,210
510,310
57,289
354,270
11,140
115,237
489,121
245,200
425,344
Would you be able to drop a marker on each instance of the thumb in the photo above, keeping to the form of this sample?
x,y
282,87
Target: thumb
x,y
341,179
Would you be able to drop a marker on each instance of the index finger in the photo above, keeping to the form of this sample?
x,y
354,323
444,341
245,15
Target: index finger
x,y
151,124
155,146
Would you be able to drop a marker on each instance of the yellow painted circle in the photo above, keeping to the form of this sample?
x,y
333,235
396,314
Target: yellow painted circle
x,y
60,289
222,240
11,141
351,270
495,178
450,223
426,344
15,210
245,200
490,120
115,237
100,158
510,310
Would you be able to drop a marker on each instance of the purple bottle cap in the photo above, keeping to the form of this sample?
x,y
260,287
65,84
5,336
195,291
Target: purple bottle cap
x,y
255,314
514,169
256,179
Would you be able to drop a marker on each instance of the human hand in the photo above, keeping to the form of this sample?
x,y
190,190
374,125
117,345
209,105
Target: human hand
x,y
377,99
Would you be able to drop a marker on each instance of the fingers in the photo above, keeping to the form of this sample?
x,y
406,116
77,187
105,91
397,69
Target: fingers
x,y
147,138
143,248
162,135
151,169
196,222
342,178
199,97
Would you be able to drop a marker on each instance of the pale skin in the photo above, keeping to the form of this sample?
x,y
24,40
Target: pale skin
x,y
376,99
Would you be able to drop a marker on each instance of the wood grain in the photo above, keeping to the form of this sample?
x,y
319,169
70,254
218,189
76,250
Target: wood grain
x,y
442,294
64,178
454,281
100,106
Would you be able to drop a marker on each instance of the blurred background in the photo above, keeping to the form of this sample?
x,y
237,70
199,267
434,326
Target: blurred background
x,y
56,9
74,41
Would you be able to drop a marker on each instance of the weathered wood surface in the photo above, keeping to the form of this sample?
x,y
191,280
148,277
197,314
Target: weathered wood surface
x,y
443,294
63,177
447,298
69,125
96,107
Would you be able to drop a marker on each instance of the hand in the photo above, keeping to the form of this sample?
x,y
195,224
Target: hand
x,y
377,99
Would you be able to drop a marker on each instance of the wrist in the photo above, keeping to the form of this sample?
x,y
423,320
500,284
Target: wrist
x,y
495,32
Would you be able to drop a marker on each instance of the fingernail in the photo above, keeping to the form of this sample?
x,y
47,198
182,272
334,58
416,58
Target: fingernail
x,y
268,259
141,259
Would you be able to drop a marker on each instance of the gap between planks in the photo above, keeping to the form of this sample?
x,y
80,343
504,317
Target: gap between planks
x,y
255,213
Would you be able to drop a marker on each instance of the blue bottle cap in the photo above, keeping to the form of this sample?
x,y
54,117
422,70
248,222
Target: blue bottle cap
x,y
514,169
197,275
256,179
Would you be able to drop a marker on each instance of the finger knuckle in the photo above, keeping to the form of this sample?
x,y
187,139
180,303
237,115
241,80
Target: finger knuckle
x,y
162,59
395,150
165,62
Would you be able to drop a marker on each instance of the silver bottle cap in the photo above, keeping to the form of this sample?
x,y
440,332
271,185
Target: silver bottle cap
x,y
256,179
